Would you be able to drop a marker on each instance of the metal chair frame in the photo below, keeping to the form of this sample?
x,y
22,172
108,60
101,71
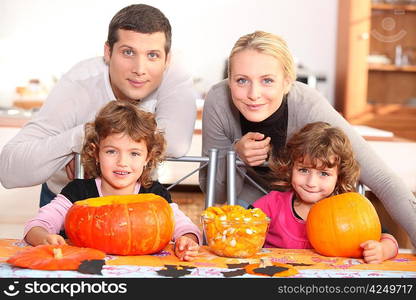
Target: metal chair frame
x,y
209,161
233,164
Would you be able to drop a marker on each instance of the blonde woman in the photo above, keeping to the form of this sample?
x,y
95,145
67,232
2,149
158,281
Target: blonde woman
x,y
260,106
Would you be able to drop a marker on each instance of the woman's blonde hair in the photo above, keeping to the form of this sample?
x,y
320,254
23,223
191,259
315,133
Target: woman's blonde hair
x,y
325,146
123,117
269,44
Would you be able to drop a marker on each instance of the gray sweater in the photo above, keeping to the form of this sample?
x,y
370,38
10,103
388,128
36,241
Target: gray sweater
x,y
221,128
40,151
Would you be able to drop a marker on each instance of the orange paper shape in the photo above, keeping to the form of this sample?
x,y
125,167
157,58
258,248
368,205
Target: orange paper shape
x,y
54,257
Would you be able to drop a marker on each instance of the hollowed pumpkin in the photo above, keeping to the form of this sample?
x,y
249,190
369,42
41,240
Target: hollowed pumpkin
x,y
122,225
336,226
53,257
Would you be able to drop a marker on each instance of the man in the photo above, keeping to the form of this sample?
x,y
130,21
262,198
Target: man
x,y
137,67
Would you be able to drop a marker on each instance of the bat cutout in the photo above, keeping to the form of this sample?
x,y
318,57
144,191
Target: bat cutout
x,y
175,271
234,273
92,266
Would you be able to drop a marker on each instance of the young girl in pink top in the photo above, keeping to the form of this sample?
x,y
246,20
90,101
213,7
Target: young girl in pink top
x,y
122,147
317,162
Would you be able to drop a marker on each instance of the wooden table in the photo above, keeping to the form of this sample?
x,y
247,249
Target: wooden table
x,y
307,262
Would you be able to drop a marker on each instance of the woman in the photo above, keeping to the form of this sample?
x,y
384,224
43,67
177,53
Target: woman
x,y
261,105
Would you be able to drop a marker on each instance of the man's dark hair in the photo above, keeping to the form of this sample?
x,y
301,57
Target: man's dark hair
x,y
140,18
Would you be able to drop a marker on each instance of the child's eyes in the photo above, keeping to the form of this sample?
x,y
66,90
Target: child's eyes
x,y
110,151
135,154
325,173
268,80
303,170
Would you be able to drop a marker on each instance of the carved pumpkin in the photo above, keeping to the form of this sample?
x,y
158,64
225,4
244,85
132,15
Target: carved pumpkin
x,y
336,226
233,231
122,225
54,257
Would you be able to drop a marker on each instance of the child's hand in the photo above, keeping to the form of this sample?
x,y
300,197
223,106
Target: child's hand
x,y
54,239
186,248
373,252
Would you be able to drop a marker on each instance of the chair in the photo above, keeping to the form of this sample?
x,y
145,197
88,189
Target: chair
x,y
209,161
232,166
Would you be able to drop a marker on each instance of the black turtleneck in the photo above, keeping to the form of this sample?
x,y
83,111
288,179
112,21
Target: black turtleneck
x,y
275,126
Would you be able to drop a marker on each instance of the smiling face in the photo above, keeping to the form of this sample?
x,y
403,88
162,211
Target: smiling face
x,y
136,63
313,183
257,84
121,163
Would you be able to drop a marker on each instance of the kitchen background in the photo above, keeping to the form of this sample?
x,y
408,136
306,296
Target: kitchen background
x,y
42,39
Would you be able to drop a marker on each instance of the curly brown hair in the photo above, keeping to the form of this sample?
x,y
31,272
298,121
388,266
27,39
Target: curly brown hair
x,y
123,117
320,142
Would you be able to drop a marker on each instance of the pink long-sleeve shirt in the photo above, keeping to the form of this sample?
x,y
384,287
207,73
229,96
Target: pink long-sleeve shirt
x,y
52,217
285,229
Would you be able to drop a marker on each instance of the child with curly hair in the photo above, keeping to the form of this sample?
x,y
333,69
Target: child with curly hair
x,y
121,149
317,162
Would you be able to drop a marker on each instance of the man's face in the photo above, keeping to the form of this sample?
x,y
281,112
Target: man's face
x,y
136,63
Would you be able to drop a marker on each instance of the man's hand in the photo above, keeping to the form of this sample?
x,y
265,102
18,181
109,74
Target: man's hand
x,y
253,148
70,169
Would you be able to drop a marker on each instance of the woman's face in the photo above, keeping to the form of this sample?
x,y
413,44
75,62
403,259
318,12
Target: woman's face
x,y
257,84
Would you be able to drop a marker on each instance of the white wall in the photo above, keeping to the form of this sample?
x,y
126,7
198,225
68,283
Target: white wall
x,y
44,38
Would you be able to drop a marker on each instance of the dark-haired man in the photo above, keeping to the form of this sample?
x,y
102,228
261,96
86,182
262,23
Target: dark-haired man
x,y
137,67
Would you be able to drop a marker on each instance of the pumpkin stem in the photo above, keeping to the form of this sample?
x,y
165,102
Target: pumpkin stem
x,y
57,253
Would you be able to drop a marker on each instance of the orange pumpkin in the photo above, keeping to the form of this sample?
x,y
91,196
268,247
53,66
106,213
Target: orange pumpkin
x,y
122,225
54,257
336,226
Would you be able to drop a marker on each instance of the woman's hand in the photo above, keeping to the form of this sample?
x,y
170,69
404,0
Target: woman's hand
x,y
253,148
186,248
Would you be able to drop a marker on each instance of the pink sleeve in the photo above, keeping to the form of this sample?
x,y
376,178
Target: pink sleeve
x,y
51,216
184,224
264,204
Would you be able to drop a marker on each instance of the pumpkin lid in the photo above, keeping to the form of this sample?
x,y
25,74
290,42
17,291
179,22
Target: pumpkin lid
x,y
120,199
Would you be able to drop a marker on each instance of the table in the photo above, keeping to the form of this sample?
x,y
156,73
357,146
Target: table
x,y
307,262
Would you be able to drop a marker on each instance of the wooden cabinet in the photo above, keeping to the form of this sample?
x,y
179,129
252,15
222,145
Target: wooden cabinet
x,y
382,31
